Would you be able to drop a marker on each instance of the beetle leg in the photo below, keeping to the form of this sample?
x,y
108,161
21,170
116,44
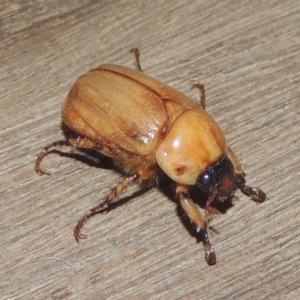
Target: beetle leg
x,y
78,142
197,219
236,163
136,53
117,191
201,89
44,152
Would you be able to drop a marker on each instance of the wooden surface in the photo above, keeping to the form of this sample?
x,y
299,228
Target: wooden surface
x,y
247,55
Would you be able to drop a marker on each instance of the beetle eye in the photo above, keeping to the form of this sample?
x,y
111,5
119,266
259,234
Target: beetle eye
x,y
207,180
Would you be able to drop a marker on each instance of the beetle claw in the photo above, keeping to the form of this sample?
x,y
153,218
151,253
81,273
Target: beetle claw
x,y
79,236
42,172
210,257
37,167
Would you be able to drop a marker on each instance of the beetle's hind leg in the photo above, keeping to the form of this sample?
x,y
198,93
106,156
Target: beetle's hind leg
x,y
44,152
117,191
197,219
136,53
78,142
201,89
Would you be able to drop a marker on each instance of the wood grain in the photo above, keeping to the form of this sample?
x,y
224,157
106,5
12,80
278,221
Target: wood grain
x,y
247,55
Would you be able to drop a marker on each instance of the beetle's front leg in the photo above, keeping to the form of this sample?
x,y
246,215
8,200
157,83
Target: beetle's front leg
x,y
197,219
117,191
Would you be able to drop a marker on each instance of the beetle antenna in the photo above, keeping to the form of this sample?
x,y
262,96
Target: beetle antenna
x,y
255,194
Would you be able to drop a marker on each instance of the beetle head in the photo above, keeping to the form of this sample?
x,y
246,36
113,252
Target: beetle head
x,y
218,179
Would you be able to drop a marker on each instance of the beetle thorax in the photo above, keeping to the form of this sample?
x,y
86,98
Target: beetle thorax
x,y
193,143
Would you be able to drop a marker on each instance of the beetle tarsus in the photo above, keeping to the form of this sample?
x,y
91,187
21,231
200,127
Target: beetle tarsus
x,y
44,152
95,210
210,255
197,219
77,234
116,191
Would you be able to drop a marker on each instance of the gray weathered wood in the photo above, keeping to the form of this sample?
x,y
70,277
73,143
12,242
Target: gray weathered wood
x,y
247,55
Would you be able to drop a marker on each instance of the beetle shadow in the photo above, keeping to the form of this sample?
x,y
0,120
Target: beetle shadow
x,y
95,159
200,198
89,157
121,201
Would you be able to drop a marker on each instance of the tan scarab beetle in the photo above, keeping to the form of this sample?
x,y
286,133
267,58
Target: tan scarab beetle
x,y
150,130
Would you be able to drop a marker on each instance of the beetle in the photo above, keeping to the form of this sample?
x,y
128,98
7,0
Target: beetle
x,y
151,130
